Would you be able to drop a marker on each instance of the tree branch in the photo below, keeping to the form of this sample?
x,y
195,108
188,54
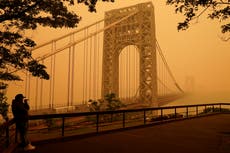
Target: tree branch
x,y
224,3
202,11
5,17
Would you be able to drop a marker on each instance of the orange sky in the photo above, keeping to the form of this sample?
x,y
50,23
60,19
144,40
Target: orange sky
x,y
198,52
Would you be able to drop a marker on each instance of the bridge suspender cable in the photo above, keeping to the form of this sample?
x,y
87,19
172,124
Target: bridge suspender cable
x,y
41,91
84,70
72,33
69,78
78,41
129,72
127,77
86,66
167,67
83,74
52,80
73,68
165,62
164,85
85,38
26,84
91,63
98,61
36,94
70,85
94,66
135,71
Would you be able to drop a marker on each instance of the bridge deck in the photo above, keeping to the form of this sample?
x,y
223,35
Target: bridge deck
x,y
210,134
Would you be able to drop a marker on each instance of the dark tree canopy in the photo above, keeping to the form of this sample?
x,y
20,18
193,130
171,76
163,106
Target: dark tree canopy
x,y
191,9
16,16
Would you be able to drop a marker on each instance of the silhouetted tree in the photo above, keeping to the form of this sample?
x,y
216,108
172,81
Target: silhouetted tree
x,y
3,101
17,16
110,103
193,9
113,102
95,105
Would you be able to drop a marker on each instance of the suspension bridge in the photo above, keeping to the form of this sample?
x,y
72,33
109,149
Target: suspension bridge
x,y
118,54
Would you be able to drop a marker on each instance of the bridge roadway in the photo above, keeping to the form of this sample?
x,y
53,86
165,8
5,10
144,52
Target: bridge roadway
x,y
210,134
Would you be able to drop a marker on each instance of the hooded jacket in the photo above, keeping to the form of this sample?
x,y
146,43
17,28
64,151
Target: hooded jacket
x,y
20,110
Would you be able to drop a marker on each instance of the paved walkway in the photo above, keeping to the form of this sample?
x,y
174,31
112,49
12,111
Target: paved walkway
x,y
209,134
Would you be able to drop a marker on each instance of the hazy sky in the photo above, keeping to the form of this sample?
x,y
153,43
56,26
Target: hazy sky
x,y
198,52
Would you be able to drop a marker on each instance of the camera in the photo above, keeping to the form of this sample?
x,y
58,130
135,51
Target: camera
x,y
26,100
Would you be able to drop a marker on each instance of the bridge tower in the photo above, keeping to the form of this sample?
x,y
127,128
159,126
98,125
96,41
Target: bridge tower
x,y
138,30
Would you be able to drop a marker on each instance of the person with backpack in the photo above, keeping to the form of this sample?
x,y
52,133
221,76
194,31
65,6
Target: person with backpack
x,y
20,109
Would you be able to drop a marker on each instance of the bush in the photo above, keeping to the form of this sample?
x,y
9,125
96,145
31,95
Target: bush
x,y
109,103
167,117
215,109
4,106
50,123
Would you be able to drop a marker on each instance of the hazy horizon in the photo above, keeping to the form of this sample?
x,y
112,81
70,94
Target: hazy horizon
x,y
196,53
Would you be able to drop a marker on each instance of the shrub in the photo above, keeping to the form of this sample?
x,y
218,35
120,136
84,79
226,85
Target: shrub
x,y
4,106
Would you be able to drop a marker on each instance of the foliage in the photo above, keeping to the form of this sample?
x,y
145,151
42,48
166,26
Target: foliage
x,y
95,105
214,109
193,9
90,3
18,16
110,103
3,102
167,117
113,103
50,123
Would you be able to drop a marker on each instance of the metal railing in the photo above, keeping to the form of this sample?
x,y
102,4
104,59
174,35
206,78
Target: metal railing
x,y
7,134
50,126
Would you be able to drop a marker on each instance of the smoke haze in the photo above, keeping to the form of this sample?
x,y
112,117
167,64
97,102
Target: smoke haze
x,y
198,58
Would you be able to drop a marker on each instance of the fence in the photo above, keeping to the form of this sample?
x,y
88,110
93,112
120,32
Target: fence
x,y
51,126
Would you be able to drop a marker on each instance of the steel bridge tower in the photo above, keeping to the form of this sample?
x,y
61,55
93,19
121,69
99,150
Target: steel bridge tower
x,y
138,30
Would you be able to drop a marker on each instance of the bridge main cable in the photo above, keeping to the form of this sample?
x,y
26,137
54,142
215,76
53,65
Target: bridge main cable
x,y
90,35
167,66
67,35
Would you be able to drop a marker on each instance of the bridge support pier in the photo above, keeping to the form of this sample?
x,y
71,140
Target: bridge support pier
x,y
138,30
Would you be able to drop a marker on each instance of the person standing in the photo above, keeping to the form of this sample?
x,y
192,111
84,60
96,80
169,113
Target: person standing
x,y
20,109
